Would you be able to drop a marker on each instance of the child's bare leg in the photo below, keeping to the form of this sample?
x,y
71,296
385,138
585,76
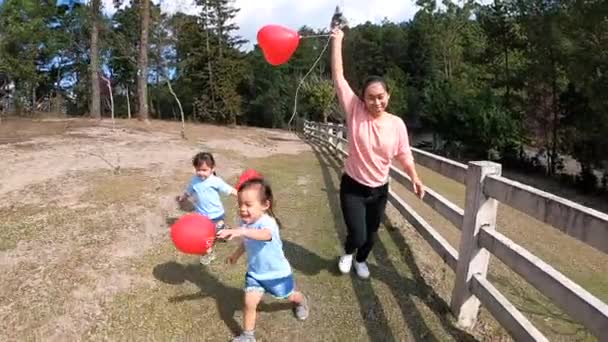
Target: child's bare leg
x,y
296,297
252,299
300,302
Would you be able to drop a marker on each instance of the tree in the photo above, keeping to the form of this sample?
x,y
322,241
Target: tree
x,y
142,62
320,97
541,21
220,101
26,28
505,43
123,47
95,110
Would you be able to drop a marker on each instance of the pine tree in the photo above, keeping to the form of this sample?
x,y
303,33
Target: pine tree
x,y
224,63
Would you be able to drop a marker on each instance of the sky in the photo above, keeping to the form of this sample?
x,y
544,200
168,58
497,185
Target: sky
x,y
296,13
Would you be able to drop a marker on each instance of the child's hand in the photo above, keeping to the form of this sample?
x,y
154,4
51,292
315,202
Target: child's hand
x,y
229,234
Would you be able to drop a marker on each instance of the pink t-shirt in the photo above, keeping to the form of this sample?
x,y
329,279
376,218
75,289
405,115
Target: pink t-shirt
x,y
372,143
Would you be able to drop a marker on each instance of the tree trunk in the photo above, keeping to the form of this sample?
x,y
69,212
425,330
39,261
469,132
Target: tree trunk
x,y
555,119
211,85
218,13
94,108
142,72
128,103
34,98
508,93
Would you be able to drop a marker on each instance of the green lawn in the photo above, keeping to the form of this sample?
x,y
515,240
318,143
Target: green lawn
x,y
188,300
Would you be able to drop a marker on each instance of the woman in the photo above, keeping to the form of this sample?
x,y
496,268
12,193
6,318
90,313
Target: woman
x,y
375,137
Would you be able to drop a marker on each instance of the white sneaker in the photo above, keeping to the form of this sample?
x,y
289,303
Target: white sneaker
x,y
345,263
362,270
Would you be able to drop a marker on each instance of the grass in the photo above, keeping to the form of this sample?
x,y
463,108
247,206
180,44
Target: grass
x,y
581,263
190,301
27,223
125,187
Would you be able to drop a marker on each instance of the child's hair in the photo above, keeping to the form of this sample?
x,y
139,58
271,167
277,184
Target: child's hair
x,y
264,192
204,158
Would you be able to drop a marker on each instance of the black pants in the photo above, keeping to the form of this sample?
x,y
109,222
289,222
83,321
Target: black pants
x,y
362,208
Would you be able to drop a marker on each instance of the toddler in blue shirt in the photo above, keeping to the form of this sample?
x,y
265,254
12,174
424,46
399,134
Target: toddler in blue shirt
x,y
205,188
267,268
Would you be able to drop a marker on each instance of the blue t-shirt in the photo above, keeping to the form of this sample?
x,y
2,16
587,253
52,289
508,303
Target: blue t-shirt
x,y
207,195
265,259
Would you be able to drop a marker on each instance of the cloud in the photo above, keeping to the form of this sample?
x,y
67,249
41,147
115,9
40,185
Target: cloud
x,y
315,13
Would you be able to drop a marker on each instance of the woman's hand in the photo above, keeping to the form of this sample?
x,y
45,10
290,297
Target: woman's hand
x,y
337,34
418,187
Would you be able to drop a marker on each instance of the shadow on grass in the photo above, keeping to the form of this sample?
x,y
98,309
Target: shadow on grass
x,y
228,299
536,304
402,288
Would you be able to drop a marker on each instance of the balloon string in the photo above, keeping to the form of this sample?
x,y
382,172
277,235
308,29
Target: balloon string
x,y
315,36
295,99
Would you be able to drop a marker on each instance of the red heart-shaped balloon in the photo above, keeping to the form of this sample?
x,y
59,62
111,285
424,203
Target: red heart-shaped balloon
x,y
247,175
278,43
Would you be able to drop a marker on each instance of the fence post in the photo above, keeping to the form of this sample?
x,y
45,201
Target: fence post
x,y
479,211
311,127
340,136
308,130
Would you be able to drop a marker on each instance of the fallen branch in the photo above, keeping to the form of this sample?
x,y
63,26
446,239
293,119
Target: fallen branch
x,y
181,110
115,169
111,98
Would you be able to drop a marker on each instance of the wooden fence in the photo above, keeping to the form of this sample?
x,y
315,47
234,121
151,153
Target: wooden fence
x,y
485,187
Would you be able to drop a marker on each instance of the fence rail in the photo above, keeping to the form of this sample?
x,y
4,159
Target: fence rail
x,y
485,187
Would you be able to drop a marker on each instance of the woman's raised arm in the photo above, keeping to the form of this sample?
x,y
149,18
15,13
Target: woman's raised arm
x,y
346,96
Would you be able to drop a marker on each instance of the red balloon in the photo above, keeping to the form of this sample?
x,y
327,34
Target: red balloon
x,y
278,43
193,234
247,175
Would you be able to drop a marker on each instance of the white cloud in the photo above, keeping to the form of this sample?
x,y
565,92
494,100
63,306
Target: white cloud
x,y
315,13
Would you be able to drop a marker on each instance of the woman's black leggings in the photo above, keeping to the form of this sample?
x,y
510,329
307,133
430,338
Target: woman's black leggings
x,y
362,208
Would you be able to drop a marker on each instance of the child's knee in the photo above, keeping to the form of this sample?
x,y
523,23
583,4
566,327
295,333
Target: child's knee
x,y
252,299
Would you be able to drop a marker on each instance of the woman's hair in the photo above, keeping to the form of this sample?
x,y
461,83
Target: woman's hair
x,y
204,158
373,79
264,194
